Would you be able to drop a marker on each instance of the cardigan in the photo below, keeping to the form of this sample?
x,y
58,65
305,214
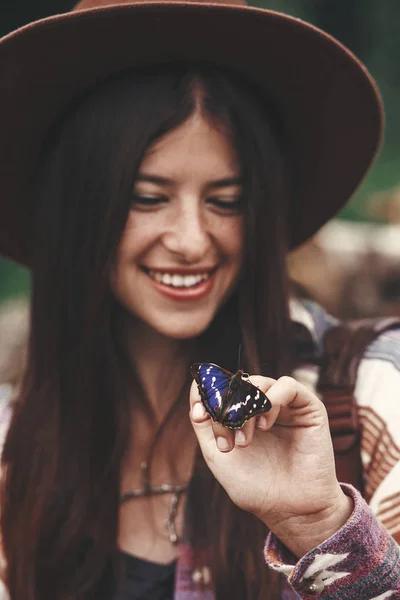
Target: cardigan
x,y
362,560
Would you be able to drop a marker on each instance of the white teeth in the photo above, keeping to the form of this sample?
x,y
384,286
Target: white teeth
x,y
190,280
178,281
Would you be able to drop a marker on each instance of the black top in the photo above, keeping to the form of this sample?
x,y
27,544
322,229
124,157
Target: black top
x,y
144,580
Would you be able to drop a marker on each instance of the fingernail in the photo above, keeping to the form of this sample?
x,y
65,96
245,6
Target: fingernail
x,y
240,438
198,412
222,444
262,422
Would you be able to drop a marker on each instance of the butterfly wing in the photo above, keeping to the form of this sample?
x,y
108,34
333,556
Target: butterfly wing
x,y
212,382
229,399
246,401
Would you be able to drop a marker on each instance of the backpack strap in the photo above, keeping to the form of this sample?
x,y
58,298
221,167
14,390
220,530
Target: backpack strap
x,y
344,346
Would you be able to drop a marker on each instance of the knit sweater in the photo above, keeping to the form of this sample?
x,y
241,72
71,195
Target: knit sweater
x,y
362,560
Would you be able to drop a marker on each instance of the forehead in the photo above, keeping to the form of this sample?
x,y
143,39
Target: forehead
x,y
196,144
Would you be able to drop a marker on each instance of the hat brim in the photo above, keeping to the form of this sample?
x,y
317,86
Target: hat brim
x,y
329,103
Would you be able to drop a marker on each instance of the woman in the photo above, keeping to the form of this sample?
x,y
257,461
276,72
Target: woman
x,y
154,197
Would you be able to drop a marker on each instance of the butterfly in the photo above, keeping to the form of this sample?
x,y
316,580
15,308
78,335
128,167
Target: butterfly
x,y
230,399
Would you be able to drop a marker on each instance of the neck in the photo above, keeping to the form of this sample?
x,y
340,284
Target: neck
x,y
161,363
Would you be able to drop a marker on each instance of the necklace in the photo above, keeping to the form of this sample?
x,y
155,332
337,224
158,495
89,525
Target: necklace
x,y
176,492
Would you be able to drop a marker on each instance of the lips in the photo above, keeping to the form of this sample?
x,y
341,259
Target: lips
x,y
182,284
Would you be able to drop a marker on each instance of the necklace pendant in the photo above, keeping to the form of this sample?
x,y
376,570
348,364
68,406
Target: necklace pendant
x,y
176,491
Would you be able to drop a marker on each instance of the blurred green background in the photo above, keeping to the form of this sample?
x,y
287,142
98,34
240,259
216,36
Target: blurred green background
x,y
367,27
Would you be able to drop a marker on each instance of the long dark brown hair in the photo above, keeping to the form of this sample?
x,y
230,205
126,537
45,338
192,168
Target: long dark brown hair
x,y
63,453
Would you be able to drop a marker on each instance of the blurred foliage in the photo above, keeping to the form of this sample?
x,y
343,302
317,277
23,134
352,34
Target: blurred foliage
x,y
14,280
368,28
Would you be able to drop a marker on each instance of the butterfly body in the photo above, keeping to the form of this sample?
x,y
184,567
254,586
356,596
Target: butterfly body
x,y
229,398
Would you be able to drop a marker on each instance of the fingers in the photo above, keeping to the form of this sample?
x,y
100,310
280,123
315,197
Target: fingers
x,y
208,434
207,431
213,432
224,437
287,390
264,384
294,404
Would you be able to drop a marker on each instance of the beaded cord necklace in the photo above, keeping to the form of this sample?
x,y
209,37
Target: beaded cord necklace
x,y
176,492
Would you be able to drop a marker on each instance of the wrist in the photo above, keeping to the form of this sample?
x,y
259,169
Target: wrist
x,y
302,533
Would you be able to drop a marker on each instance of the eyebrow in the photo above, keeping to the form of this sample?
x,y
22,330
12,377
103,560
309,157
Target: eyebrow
x,y
218,183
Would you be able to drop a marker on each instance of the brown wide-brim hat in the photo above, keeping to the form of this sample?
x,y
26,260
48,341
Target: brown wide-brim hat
x,y
329,103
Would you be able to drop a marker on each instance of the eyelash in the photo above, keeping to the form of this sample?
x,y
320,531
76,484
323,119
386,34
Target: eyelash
x,y
234,205
148,200
230,205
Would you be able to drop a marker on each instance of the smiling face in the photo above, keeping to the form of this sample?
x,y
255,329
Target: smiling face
x,y
181,250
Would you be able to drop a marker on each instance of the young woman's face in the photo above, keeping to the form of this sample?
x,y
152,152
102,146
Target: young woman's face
x,y
180,253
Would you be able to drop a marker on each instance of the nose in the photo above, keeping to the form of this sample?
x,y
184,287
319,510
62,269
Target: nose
x,y
187,235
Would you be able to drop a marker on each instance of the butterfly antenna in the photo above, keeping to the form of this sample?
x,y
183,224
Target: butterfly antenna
x,y
239,356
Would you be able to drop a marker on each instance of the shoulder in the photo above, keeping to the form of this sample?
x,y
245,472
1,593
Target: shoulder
x,y
313,317
386,348
378,378
378,375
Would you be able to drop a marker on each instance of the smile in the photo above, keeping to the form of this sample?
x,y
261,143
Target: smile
x,y
176,280
180,285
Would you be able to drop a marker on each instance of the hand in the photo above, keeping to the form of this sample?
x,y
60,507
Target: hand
x,y
279,466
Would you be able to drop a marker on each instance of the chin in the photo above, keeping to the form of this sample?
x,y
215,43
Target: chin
x,y
184,330
183,334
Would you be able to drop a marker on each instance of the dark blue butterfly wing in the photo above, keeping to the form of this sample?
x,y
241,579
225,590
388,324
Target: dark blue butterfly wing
x,y
212,382
229,399
246,401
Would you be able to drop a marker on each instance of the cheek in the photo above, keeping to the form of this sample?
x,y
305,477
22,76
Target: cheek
x,y
231,237
138,234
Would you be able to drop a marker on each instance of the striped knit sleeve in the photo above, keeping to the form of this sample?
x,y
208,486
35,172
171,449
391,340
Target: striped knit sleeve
x,y
360,562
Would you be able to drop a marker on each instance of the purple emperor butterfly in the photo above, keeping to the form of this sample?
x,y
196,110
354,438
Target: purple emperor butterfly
x,y
230,399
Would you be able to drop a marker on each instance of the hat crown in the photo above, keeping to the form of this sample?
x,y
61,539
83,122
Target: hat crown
x,y
91,4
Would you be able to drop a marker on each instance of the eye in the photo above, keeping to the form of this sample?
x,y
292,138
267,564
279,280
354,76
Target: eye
x,y
227,204
143,202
